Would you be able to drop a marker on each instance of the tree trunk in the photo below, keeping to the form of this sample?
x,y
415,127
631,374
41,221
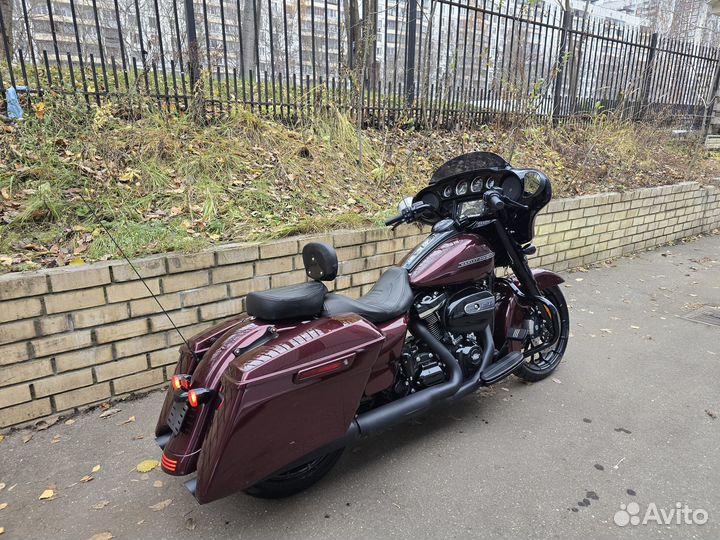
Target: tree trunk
x,y
6,7
251,16
353,26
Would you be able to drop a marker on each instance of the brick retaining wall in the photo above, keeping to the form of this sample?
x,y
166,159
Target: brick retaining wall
x,y
76,336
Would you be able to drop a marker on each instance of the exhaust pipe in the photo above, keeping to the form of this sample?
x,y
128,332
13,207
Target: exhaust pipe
x,y
414,404
407,407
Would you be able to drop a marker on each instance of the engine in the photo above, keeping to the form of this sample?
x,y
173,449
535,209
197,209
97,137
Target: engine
x,y
454,317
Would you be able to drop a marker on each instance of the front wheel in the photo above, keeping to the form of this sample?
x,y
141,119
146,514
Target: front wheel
x,y
295,480
543,363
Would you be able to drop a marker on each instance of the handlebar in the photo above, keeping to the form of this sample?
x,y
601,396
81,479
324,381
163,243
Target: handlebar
x,y
395,220
493,200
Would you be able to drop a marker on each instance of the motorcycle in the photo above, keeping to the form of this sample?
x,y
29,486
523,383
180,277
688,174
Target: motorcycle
x,y
266,402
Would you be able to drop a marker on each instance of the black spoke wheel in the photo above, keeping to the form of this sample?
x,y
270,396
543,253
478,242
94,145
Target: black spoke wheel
x,y
542,363
296,479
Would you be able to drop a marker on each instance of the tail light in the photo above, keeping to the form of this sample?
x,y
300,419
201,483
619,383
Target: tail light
x,y
170,465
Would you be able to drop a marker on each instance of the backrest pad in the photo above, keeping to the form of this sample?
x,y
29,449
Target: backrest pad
x,y
320,261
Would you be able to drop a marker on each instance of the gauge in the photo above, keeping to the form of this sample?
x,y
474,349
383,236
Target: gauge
x,y
432,200
448,191
512,187
461,188
477,185
490,183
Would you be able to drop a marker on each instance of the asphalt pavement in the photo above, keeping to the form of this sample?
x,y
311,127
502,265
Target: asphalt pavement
x,y
628,423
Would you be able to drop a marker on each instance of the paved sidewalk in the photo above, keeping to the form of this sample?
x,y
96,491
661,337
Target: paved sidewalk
x,y
630,416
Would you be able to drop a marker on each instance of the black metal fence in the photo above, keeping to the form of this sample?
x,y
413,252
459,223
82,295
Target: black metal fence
x,y
425,62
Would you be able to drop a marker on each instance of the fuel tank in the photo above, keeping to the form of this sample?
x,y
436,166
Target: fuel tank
x,y
450,260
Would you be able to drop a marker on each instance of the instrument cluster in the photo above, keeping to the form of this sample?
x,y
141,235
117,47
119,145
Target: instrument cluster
x,y
448,196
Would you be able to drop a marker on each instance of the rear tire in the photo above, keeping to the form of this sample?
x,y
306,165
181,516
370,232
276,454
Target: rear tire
x,y
542,364
295,480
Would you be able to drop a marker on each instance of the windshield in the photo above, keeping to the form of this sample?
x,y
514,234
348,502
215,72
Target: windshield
x,y
473,161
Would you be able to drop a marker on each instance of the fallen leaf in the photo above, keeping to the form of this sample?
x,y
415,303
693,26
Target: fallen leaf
x,y
158,483
27,437
2,530
69,422
102,536
109,412
2,486
47,494
87,478
3,506
190,524
557,381
144,476
100,505
147,465
138,437
42,425
634,327
711,414
96,468
55,439
131,419
2,437
161,505
579,279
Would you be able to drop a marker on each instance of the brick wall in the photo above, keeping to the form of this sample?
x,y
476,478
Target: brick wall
x,y
76,336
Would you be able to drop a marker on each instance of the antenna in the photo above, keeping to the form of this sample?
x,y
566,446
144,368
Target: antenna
x,y
120,249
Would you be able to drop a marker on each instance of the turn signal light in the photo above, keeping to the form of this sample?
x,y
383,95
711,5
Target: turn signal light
x,y
180,382
196,396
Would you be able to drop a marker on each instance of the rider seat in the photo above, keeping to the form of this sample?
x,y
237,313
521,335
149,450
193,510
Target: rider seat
x,y
390,297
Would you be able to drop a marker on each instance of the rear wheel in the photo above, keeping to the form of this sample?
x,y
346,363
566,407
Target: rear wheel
x,y
295,480
544,362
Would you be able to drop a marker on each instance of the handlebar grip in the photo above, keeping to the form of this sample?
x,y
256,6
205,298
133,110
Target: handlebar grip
x,y
393,221
494,201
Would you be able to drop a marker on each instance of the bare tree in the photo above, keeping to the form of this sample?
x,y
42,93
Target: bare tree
x,y
6,9
251,16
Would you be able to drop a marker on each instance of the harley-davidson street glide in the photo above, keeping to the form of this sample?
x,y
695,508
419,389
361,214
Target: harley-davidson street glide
x,y
266,402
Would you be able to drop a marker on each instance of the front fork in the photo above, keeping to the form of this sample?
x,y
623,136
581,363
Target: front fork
x,y
528,294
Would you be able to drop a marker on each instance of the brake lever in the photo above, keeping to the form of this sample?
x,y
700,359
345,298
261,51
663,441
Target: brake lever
x,y
509,202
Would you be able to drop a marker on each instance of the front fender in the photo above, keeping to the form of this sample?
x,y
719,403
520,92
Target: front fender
x,y
509,313
546,278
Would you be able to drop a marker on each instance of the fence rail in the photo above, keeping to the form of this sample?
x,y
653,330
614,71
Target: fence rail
x,y
425,62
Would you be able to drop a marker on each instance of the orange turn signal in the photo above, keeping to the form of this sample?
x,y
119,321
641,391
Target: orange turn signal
x,y
196,396
180,382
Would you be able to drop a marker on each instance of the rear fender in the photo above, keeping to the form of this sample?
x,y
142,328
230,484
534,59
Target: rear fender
x,y
269,417
182,449
188,361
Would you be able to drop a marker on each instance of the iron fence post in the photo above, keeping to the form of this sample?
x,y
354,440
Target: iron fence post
x,y
192,43
647,76
410,47
560,75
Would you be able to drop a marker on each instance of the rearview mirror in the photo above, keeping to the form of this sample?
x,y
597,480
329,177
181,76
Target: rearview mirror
x,y
405,204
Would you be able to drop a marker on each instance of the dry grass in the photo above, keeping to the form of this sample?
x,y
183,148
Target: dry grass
x,y
162,183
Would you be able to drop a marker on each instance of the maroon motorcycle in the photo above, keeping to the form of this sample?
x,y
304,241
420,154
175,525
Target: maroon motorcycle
x,y
267,402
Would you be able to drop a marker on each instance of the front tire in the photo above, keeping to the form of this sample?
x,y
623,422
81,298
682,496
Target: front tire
x,y
295,480
543,363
